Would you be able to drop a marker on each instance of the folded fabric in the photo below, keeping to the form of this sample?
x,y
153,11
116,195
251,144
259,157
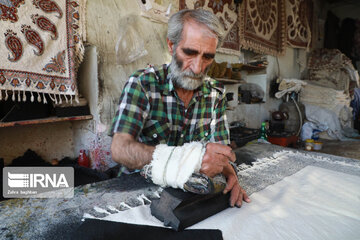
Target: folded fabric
x,y
95,229
173,166
288,86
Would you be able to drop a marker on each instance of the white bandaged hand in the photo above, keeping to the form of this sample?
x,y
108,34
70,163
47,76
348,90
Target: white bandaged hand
x,y
173,166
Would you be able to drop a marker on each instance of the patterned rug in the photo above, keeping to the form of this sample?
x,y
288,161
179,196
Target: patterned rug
x,y
263,26
331,68
331,59
40,48
299,17
225,10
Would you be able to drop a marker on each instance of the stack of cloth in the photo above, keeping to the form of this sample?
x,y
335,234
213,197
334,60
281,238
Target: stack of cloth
x,y
329,107
330,88
331,68
325,97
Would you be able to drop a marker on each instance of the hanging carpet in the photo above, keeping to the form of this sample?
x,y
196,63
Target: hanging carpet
x,y
262,26
299,17
225,10
40,48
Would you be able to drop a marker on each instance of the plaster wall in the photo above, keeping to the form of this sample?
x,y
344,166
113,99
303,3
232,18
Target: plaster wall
x,y
49,141
346,10
105,20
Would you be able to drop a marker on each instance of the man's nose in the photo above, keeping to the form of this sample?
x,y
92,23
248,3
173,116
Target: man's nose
x,y
196,65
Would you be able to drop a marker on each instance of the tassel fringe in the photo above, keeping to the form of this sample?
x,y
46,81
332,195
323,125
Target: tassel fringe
x,y
24,96
39,96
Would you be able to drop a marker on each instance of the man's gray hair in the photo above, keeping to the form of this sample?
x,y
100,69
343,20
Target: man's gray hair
x,y
177,21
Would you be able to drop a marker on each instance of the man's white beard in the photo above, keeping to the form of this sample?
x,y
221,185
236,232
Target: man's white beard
x,y
185,79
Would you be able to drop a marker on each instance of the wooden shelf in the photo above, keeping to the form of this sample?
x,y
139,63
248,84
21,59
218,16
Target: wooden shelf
x,y
248,67
45,120
229,80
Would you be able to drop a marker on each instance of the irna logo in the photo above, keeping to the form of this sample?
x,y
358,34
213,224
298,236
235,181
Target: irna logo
x,y
34,180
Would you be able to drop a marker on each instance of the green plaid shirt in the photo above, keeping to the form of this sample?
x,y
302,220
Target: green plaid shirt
x,y
151,111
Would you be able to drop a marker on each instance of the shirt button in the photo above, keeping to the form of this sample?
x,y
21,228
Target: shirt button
x,y
154,135
206,134
182,135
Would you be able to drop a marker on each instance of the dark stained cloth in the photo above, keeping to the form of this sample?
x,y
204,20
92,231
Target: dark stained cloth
x,y
94,229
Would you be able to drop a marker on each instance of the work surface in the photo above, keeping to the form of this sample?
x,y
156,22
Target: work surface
x,y
259,165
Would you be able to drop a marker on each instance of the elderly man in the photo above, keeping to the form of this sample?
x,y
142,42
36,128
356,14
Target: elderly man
x,y
177,104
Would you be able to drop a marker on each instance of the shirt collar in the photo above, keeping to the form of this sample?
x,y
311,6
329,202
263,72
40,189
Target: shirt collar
x,y
169,86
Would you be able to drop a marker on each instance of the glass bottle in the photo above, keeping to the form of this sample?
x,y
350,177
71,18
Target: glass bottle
x,y
263,134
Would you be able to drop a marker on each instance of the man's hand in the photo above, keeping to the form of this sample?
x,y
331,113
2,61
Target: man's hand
x,y
237,193
216,158
215,161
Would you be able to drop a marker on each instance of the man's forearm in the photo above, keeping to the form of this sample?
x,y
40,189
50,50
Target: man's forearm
x,y
130,153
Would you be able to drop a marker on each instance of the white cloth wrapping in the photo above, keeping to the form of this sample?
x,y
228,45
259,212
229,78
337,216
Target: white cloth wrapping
x,y
173,166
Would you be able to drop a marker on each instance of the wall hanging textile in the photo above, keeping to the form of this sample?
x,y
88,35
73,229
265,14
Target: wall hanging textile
x,y
299,17
225,10
263,26
40,48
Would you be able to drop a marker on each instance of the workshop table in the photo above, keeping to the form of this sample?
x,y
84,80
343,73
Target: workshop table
x,y
59,218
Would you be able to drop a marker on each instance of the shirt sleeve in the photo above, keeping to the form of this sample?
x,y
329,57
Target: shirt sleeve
x,y
221,132
132,110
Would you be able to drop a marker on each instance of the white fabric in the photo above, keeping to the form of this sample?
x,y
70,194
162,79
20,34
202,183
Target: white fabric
x,y
288,86
173,166
314,203
325,97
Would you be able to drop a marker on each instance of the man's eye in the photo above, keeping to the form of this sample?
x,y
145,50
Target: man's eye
x,y
209,56
190,52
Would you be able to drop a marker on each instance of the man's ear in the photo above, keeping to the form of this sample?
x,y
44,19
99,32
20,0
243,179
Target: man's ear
x,y
170,46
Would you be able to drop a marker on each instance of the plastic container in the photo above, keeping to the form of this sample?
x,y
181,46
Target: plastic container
x,y
317,145
83,159
309,144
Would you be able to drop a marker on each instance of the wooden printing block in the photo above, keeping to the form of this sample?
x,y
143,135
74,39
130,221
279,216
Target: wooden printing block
x,y
179,209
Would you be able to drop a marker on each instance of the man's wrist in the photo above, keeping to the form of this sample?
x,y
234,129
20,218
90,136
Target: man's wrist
x,y
229,170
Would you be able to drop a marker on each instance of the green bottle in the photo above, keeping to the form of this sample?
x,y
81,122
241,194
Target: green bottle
x,y
263,134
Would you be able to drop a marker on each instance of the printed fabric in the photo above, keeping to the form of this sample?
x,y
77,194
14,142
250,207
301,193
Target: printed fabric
x,y
40,48
151,111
